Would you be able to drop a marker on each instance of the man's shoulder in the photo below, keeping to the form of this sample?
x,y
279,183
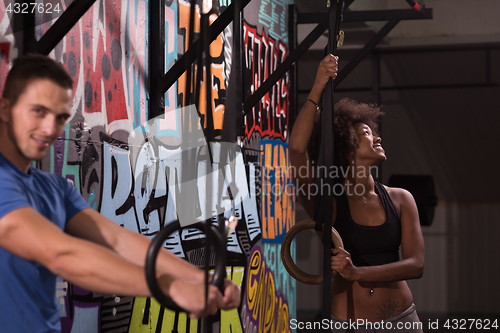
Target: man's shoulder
x,y
37,173
7,173
47,176
47,180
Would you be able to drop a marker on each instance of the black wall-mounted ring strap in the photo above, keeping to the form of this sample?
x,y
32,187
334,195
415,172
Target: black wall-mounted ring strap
x,y
189,43
213,237
323,211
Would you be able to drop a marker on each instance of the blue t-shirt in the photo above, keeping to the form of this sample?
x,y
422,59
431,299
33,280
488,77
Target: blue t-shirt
x,y
27,289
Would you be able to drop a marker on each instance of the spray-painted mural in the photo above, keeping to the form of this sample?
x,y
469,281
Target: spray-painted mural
x,y
125,164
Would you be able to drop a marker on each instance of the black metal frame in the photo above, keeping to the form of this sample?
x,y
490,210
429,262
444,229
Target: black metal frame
x,y
394,16
192,54
25,25
292,45
293,56
156,59
62,26
159,84
370,15
377,54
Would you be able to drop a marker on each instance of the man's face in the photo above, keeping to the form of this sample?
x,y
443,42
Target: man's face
x,y
38,119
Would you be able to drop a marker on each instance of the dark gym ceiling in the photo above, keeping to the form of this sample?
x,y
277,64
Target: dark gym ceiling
x,y
440,91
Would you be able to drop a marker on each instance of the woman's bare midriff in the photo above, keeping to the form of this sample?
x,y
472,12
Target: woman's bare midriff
x,y
370,301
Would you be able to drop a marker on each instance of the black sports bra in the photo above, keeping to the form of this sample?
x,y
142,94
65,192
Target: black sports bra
x,y
370,245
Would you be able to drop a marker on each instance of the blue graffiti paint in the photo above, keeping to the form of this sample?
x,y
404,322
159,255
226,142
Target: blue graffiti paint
x,y
92,200
272,14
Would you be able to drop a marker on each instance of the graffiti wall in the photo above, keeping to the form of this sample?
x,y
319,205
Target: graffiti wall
x,y
132,169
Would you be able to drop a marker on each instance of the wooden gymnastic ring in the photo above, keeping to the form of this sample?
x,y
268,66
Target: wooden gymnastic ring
x,y
286,257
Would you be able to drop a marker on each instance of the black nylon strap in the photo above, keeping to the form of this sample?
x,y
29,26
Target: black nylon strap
x,y
209,136
323,206
187,91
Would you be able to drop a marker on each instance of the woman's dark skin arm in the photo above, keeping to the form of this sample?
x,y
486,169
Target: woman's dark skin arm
x,y
303,128
412,248
412,245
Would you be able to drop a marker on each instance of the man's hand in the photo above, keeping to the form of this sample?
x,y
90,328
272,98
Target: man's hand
x,y
190,296
232,295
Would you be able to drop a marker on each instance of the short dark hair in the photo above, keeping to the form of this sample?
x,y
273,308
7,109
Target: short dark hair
x,y
347,113
30,67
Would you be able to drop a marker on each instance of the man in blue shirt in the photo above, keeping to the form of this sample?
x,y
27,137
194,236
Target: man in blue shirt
x,y
47,229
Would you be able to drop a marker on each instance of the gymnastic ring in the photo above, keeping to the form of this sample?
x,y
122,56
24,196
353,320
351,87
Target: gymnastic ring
x,y
212,236
286,257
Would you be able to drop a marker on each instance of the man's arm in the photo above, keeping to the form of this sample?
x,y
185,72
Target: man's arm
x,y
29,235
90,225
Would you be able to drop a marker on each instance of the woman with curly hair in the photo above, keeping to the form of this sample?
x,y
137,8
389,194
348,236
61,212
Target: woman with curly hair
x,y
374,221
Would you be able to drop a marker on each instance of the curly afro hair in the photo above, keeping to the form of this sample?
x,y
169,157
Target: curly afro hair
x,y
347,113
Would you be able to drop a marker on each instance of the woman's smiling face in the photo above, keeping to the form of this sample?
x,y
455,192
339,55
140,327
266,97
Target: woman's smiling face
x,y
369,144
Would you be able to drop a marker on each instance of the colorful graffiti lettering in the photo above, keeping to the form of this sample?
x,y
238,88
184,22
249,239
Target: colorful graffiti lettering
x,y
264,306
168,125
285,284
150,316
93,55
131,184
272,14
262,56
142,196
278,200
136,65
217,68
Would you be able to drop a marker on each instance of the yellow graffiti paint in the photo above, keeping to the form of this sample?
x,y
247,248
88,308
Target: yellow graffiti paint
x,y
229,321
136,325
270,303
252,288
263,303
